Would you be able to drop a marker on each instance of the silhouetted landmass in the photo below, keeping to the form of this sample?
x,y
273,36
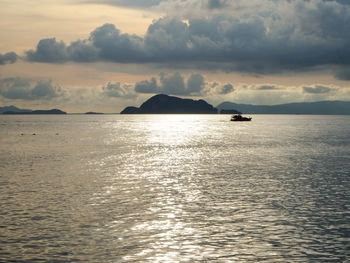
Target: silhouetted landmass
x,y
164,104
12,109
92,112
230,112
320,107
53,111
131,110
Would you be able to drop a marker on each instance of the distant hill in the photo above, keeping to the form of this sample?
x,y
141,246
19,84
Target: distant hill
x,y
164,104
232,111
53,111
93,113
320,107
12,108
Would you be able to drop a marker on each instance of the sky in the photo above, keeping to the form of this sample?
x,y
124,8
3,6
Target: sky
x,y
104,55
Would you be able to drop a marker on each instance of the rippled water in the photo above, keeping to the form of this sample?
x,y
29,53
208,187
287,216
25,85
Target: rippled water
x,y
174,188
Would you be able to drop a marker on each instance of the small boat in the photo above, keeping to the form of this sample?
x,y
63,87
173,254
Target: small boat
x,y
239,117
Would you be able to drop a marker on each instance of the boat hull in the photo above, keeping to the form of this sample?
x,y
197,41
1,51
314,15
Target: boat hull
x,y
239,117
248,119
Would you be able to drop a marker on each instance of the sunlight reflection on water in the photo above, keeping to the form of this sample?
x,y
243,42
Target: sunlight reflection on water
x,y
173,188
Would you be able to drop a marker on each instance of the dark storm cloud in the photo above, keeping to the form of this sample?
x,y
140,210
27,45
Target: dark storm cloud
x,y
22,89
311,34
8,58
167,40
317,90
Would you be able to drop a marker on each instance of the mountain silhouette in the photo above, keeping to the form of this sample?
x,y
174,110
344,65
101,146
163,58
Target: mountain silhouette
x,y
164,104
320,107
53,111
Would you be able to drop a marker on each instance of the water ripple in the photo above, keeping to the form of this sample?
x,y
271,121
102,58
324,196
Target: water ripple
x,y
174,189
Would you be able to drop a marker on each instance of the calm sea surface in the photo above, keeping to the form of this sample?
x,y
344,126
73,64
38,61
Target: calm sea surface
x,y
174,188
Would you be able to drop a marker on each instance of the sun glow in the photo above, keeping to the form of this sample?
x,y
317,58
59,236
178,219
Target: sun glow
x,y
174,129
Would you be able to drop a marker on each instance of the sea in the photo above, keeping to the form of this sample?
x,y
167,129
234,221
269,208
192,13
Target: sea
x,y
174,188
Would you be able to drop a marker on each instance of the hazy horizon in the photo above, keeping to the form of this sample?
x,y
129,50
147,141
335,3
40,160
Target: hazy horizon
x,y
216,106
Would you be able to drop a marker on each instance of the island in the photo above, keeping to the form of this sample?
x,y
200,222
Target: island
x,y
232,111
92,112
164,104
52,111
12,109
318,107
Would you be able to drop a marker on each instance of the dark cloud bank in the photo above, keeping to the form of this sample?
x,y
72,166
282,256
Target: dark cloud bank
x,y
8,58
317,37
343,74
317,90
147,4
210,4
22,89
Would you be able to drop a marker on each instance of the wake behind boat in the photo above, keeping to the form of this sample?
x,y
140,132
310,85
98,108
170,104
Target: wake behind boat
x,y
239,117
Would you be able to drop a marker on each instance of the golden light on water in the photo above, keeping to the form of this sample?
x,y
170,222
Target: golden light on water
x,y
174,129
169,140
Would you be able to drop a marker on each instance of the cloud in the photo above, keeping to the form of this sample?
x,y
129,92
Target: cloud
x,y
181,7
343,2
212,4
50,51
117,90
159,4
112,45
343,75
22,89
176,85
8,58
45,90
146,86
195,84
245,37
216,88
267,87
173,84
317,90
226,89
128,3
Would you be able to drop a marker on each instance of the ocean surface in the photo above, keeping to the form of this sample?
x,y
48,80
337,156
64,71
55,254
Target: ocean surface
x,y
174,188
